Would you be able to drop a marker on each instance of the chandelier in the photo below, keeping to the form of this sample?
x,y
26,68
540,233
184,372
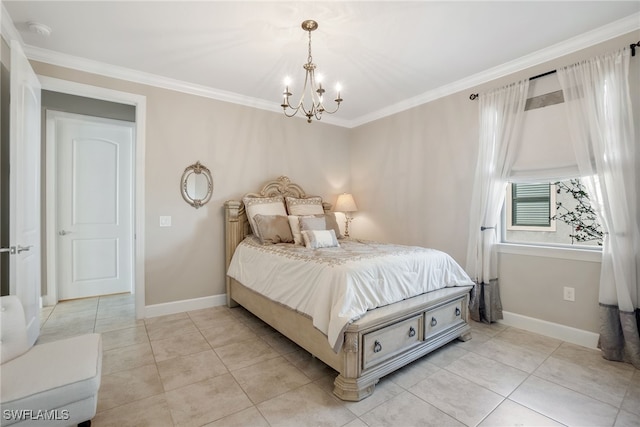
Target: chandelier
x,y
312,87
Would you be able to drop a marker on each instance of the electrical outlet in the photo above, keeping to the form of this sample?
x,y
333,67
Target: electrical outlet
x,y
165,221
569,294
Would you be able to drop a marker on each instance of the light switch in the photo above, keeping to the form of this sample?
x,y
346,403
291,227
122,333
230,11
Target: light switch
x,y
165,221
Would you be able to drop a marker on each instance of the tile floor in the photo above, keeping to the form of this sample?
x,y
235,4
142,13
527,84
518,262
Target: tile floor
x,y
225,367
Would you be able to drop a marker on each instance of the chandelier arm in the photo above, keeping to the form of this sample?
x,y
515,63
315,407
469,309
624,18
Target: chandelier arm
x,y
295,111
331,112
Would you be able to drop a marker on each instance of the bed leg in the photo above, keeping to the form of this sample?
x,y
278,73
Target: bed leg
x,y
351,389
465,337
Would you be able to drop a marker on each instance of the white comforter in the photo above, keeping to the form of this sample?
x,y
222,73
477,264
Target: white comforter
x,y
336,286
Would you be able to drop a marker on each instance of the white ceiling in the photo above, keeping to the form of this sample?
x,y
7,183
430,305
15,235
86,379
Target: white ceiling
x,y
386,55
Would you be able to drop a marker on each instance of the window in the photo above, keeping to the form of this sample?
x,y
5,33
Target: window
x,y
556,213
532,207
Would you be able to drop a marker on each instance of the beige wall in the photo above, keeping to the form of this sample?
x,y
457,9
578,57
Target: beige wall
x,y
243,148
412,175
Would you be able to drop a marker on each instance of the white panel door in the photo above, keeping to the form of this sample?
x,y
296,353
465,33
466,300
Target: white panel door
x,y
24,199
94,212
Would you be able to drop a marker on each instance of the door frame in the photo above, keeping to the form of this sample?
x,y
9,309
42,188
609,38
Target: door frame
x,y
140,102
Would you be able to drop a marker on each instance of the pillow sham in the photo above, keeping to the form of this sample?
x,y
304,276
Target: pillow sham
x,y
308,206
316,239
263,206
273,229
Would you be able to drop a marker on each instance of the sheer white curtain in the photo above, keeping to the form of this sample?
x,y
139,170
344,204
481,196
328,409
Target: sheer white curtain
x,y
597,97
501,114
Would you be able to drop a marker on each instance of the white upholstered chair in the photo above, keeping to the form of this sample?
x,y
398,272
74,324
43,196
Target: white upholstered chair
x,y
55,383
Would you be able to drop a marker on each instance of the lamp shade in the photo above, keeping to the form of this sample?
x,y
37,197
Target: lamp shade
x,y
345,203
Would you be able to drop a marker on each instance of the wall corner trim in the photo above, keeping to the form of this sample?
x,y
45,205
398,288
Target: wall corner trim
x,y
554,330
181,306
9,31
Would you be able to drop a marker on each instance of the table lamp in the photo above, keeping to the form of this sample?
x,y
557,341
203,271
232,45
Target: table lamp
x,y
346,204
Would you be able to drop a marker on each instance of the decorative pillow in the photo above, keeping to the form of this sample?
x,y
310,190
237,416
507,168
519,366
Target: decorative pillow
x,y
332,223
315,239
294,224
321,222
308,206
263,206
273,229
313,222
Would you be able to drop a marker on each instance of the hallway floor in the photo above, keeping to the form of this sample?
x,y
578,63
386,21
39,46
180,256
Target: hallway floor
x,y
225,367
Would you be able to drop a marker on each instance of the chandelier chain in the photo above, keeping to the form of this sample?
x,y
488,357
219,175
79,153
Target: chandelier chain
x,y
309,58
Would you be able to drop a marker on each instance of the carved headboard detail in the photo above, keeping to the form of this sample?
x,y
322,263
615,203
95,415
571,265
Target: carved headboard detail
x,y
280,187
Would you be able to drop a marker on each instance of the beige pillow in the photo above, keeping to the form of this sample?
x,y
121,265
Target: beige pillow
x,y
320,222
316,239
294,224
273,229
308,206
263,206
332,223
313,223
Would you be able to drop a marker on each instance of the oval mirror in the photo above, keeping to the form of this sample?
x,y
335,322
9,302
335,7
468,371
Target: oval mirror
x,y
196,185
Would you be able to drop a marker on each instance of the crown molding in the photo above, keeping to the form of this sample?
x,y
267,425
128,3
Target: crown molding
x,y
9,31
599,35
113,71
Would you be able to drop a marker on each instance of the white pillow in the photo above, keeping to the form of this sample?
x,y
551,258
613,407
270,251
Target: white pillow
x,y
263,206
315,239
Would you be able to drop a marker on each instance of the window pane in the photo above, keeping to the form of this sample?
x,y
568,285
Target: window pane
x,y
531,213
551,213
531,204
531,190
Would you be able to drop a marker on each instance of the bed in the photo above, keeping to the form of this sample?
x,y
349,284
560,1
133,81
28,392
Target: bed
x,y
361,335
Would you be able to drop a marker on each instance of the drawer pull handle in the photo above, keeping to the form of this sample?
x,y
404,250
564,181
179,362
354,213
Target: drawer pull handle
x,y
457,311
434,322
412,331
377,347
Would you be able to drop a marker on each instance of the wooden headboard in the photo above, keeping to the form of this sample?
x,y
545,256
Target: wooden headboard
x,y
235,218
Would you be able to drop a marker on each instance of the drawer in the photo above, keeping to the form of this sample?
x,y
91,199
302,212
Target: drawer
x,y
442,318
388,341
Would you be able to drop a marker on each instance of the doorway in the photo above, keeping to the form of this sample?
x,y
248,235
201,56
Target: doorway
x,y
138,169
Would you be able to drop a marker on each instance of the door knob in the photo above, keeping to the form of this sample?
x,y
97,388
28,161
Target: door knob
x,y
63,232
12,250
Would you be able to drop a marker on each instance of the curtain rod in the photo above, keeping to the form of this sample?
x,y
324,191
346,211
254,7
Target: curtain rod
x,y
632,46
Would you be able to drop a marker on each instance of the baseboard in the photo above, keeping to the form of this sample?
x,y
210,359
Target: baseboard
x,y
174,307
553,330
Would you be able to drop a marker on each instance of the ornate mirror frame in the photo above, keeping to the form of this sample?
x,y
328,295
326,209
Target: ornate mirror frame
x,y
196,169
